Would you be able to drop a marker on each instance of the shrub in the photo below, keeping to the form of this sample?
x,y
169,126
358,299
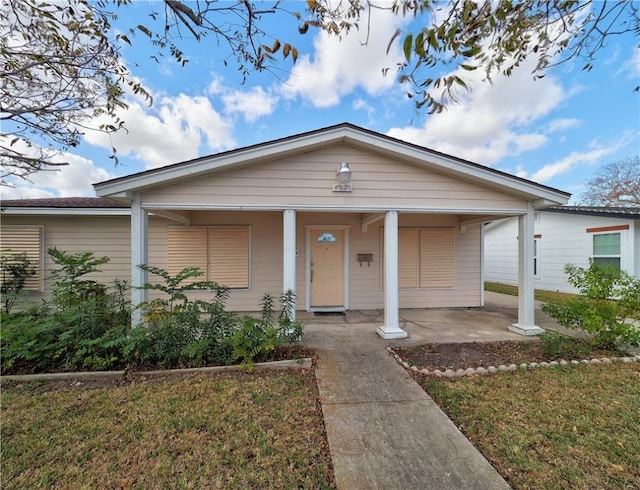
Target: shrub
x,y
608,310
179,331
15,269
70,287
84,326
562,347
256,339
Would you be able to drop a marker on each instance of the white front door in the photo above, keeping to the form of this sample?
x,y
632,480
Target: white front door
x,y
327,249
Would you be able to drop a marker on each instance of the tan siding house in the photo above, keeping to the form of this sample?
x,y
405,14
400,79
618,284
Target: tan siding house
x,y
344,217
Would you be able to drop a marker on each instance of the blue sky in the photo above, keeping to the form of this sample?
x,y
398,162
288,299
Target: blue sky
x,y
556,131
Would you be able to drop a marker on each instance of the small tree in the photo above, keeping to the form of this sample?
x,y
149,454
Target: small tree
x,y
69,288
15,269
608,309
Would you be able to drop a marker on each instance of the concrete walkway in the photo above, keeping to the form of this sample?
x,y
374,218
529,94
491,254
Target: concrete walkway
x,y
384,431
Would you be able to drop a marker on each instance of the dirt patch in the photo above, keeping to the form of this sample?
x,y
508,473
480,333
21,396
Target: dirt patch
x,y
482,354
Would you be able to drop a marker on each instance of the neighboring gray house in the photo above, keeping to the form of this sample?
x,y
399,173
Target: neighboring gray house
x,y
565,235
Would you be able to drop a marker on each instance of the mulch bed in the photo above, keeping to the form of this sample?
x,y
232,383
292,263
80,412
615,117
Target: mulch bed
x,y
482,354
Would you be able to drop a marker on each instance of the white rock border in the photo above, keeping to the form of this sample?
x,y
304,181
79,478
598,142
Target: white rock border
x,y
450,373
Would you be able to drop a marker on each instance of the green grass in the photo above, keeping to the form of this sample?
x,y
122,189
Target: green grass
x,y
539,294
570,427
240,430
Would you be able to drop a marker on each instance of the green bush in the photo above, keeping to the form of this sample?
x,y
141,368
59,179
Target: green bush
x,y
256,338
182,332
15,269
608,310
562,347
179,331
84,326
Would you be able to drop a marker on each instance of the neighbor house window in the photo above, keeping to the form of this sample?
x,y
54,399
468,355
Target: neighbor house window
x,y
28,240
221,252
425,258
606,249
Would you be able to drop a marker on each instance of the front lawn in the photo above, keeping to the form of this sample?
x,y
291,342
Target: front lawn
x,y
569,427
539,294
236,430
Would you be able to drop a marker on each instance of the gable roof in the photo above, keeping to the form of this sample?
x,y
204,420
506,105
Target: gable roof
x,y
346,133
601,211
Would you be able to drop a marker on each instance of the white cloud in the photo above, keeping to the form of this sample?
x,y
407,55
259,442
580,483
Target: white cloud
x,y
562,123
492,121
339,66
564,165
171,131
362,105
631,68
74,179
252,104
597,152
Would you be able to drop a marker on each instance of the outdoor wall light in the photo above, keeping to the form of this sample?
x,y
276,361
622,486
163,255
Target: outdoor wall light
x,y
344,176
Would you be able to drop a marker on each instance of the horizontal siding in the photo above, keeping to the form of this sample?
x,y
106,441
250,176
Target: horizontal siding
x,y
110,237
501,252
104,236
308,179
563,240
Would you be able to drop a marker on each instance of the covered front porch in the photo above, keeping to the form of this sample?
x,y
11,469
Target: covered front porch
x,y
281,249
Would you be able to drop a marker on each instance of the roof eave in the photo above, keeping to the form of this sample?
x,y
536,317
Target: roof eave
x,y
57,211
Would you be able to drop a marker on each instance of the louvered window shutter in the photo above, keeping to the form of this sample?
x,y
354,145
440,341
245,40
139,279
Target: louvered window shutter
x,y
229,256
28,240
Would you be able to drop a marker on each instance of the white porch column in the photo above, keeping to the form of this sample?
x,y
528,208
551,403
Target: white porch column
x,y
139,255
391,328
526,308
289,252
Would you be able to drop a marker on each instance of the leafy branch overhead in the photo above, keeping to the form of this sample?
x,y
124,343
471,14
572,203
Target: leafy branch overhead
x,y
63,71
455,37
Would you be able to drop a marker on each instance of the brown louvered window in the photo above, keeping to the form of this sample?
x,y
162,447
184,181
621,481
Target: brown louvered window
x,y
229,256
408,258
24,239
436,258
221,252
425,258
187,247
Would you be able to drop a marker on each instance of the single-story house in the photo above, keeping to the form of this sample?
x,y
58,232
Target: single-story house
x,y
345,217
565,235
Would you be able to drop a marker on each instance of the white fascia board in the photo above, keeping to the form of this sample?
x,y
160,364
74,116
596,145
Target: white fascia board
x,y
66,212
151,206
248,156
